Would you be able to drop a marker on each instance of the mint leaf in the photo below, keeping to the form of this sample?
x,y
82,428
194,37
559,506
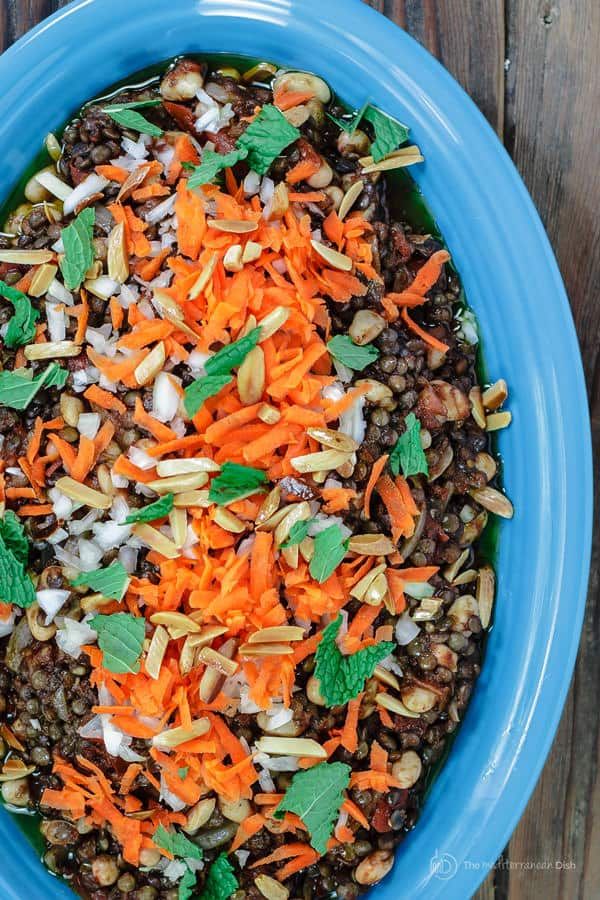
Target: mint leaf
x,y
389,133
12,533
408,453
200,390
350,354
110,582
18,388
186,885
298,532
349,125
15,584
21,328
266,137
212,164
235,482
153,511
341,677
232,355
136,104
78,239
220,882
126,117
316,795
183,771
329,550
176,844
121,639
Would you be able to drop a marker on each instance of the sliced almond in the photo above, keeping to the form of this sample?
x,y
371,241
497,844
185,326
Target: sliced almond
x,y
282,746
156,540
486,585
149,367
173,737
178,523
251,377
200,814
192,498
53,184
279,203
494,501
15,769
178,483
359,590
233,226
410,156
170,310
167,467
276,633
495,395
117,258
26,257
156,652
268,414
319,462
207,635
371,545
270,888
134,180
395,706
82,493
52,350
215,660
209,685
41,281
465,577
252,252
228,522
376,591
307,549
273,321
205,276
350,198
497,421
232,261
335,440
94,601
386,677
332,257
297,512
419,699
269,506
265,650
175,620
450,572
477,410
249,325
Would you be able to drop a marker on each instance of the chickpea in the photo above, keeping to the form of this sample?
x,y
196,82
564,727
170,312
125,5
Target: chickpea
x,y
407,770
16,793
313,692
149,858
182,82
418,699
235,812
336,195
374,867
303,81
323,177
356,143
105,870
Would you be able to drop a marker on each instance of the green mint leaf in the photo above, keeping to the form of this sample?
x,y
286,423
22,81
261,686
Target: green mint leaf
x,y
408,453
220,882
350,354
78,239
316,795
200,390
21,328
153,511
349,125
18,388
341,677
110,582
121,639
12,533
236,482
176,844
136,104
298,532
329,550
266,137
232,355
129,118
15,584
183,772
389,133
186,885
212,164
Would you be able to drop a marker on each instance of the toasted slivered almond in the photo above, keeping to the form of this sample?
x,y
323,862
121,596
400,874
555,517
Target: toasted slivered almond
x,y
117,258
205,276
486,585
251,377
212,678
376,591
307,549
494,501
350,198
466,577
279,203
335,440
360,588
207,635
249,325
154,539
265,650
386,677
291,556
167,467
82,493
477,410
178,523
277,633
273,321
14,769
42,280
134,180
395,706
228,522
192,498
495,395
199,814
156,651
232,261
142,815
173,737
26,257
178,483
270,888
497,421
52,350
187,656
386,165
269,506
450,572
53,184
233,226
282,746
332,257
170,311
149,367
371,544
252,252
175,620
268,414
319,462
94,601
215,660
297,512
403,153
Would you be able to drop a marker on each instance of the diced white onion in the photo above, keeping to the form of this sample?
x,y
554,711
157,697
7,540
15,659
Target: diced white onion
x,y
51,600
57,322
73,635
171,799
137,149
140,458
7,625
161,211
80,526
59,292
406,630
251,183
165,397
90,554
88,424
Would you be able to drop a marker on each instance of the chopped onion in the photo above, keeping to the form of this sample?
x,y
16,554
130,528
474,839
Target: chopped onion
x,y
175,802
119,509
267,189
103,287
128,558
88,424
342,371
251,183
406,630
58,536
90,554
333,392
137,149
281,717
242,857
73,635
140,458
80,526
165,397
59,292
57,322
110,534
174,870
93,184
51,600
160,211
352,421
62,506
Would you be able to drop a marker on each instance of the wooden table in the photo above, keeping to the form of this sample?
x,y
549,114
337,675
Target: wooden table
x,y
532,67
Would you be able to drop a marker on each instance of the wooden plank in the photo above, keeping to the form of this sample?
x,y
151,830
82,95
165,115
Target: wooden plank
x,y
24,15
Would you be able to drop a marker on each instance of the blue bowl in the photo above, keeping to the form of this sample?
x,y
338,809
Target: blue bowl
x,y
512,282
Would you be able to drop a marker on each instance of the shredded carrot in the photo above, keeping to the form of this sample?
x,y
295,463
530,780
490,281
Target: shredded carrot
x,y
350,729
378,467
424,335
285,100
403,524
43,509
104,399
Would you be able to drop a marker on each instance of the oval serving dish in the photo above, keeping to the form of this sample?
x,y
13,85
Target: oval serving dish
x,y
506,265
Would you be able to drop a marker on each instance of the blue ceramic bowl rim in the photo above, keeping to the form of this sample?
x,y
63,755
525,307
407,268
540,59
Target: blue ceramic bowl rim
x,y
514,285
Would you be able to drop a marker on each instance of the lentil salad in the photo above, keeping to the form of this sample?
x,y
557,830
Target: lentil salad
x,y
272,380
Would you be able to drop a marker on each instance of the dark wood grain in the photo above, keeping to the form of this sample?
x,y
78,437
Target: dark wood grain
x,y
531,66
